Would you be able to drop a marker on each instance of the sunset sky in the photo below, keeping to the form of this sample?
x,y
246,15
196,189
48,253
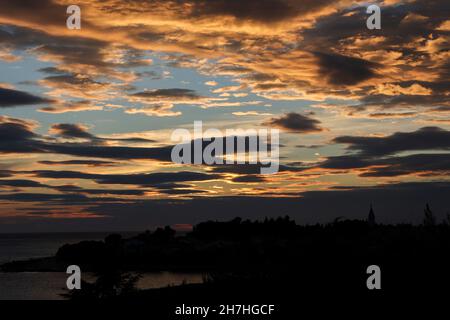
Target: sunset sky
x,y
87,115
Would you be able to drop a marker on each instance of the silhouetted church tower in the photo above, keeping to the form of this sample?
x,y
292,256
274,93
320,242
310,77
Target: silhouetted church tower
x,y
371,218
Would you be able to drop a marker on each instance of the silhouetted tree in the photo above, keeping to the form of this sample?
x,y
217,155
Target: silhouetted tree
x,y
371,217
163,235
337,219
429,219
447,219
113,240
111,283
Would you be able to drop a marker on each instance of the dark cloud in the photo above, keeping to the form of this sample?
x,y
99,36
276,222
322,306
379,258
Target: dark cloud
x,y
150,179
149,74
5,174
70,130
91,163
312,146
234,168
167,93
377,156
76,130
110,152
427,138
257,10
42,12
345,162
251,178
270,86
14,98
392,115
334,29
182,191
69,52
11,131
383,101
295,122
43,197
72,79
73,50
119,192
53,70
260,77
263,11
248,169
131,140
17,136
20,183
417,164
342,70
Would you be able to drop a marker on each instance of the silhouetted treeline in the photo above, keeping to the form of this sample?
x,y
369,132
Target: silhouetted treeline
x,y
272,254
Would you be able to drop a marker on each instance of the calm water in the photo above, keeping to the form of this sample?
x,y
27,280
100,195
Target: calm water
x,y
27,246
49,285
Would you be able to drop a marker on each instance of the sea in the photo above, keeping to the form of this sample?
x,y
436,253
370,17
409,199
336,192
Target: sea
x,y
51,285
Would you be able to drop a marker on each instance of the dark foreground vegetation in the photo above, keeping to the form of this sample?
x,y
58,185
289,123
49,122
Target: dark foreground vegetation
x,y
264,259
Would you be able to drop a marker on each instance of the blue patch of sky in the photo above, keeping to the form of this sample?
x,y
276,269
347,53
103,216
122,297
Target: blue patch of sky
x,y
116,121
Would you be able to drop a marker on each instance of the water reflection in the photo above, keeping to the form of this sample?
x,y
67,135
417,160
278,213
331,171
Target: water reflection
x,y
50,285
